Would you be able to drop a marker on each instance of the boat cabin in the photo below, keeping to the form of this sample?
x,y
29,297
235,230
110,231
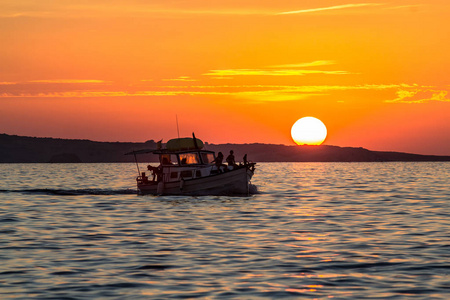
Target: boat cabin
x,y
188,164
185,158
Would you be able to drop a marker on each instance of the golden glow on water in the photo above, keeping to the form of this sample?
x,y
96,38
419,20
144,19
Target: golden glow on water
x,y
315,230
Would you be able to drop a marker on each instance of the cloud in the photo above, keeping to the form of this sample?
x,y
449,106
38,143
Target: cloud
x,y
82,9
273,96
412,6
11,15
181,78
404,93
95,9
256,93
420,96
279,70
337,7
305,65
101,94
265,72
68,81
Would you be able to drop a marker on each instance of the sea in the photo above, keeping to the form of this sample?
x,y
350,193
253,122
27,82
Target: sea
x,y
311,231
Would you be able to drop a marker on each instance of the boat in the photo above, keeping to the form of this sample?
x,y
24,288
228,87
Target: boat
x,y
186,168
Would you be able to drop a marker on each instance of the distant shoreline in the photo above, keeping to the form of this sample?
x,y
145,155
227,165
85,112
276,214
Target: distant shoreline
x,y
22,149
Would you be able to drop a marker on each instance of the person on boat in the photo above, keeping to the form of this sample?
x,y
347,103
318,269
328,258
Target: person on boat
x,y
230,159
218,161
156,172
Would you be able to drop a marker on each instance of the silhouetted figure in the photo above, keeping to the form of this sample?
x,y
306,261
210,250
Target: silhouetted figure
x,y
230,159
156,172
218,161
245,159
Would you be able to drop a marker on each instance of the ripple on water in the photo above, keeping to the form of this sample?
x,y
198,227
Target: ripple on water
x,y
313,231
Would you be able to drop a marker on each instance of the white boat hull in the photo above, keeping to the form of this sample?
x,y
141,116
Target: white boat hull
x,y
234,182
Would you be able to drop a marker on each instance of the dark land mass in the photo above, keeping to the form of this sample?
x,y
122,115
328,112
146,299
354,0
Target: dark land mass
x,y
19,149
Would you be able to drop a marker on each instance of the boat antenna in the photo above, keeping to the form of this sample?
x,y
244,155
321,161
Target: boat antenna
x,y
195,141
178,129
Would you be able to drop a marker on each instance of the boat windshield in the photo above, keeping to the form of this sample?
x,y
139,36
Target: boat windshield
x,y
189,158
207,158
168,159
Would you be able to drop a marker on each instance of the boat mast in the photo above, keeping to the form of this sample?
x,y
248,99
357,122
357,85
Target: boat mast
x,y
195,141
178,129
137,165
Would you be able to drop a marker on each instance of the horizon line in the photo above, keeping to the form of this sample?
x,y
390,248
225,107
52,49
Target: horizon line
x,y
228,143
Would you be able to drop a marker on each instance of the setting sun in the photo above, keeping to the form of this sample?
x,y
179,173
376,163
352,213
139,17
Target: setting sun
x,y
308,131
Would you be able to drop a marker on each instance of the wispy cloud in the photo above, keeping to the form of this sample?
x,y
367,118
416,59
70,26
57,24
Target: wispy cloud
x,y
305,65
254,93
261,72
402,93
279,70
293,93
71,9
11,15
181,78
412,6
68,81
101,94
336,7
52,9
420,95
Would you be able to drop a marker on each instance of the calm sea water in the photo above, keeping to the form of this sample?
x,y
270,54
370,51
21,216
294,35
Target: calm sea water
x,y
314,231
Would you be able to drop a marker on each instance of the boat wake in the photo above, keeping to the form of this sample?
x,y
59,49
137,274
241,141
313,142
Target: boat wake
x,y
68,192
82,192
253,189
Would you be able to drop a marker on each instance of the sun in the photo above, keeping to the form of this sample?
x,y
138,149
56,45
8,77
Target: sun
x,y
308,131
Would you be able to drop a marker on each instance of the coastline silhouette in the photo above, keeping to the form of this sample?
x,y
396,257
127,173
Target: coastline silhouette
x,y
20,149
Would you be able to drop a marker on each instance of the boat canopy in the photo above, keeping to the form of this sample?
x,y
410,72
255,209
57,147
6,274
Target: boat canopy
x,y
181,144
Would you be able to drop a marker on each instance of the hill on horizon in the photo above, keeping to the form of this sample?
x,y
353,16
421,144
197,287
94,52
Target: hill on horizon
x,y
22,149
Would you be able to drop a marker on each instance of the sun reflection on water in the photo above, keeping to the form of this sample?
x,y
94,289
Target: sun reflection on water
x,y
348,231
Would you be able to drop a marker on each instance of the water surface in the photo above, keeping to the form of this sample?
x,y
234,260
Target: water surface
x,y
314,231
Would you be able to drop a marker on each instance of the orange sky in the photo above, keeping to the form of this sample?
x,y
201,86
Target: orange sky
x,y
376,73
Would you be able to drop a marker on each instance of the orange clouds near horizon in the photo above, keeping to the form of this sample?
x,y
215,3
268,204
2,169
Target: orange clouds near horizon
x,y
233,72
